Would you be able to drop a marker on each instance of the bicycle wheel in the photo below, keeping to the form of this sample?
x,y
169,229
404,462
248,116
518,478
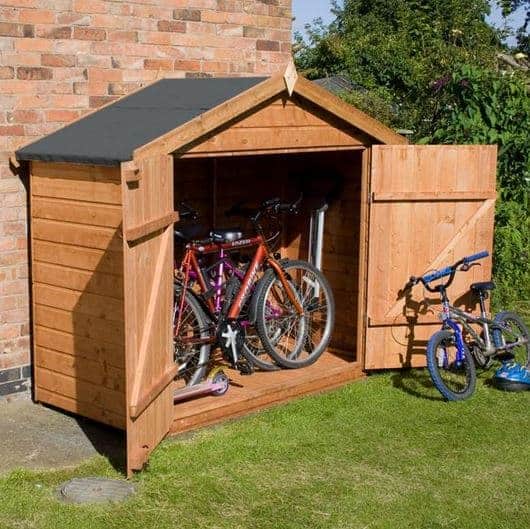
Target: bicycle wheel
x,y
454,379
191,354
291,339
252,349
513,331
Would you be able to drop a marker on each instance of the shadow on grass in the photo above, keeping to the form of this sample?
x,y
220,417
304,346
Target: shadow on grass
x,y
416,382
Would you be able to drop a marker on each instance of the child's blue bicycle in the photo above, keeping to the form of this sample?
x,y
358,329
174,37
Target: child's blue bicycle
x,y
453,352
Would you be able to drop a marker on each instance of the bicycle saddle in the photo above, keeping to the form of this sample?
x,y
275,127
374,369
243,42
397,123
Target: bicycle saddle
x,y
190,232
483,287
226,235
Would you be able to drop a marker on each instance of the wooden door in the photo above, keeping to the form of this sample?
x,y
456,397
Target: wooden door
x,y
429,206
148,288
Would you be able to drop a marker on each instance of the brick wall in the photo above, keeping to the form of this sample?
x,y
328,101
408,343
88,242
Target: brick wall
x,y
60,58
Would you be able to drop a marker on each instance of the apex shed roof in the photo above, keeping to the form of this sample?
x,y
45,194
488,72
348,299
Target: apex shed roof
x,y
110,135
170,113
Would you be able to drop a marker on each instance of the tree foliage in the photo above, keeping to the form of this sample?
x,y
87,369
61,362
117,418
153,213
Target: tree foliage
x,y
397,50
483,106
431,66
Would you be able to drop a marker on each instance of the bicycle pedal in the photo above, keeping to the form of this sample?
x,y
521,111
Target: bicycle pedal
x,y
244,368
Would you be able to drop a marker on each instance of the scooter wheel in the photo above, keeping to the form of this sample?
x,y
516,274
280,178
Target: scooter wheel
x,y
222,379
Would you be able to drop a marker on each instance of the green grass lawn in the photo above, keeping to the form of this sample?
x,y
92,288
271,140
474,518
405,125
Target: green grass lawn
x,y
381,453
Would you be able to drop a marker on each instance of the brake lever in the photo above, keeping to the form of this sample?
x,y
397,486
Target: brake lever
x,y
466,266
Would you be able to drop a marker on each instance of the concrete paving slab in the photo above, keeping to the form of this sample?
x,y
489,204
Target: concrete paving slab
x,y
34,436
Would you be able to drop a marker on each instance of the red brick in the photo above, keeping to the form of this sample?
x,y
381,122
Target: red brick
x,y
90,6
79,19
11,130
61,32
123,36
80,88
68,101
37,16
118,89
50,59
267,45
158,64
24,116
8,303
13,316
97,101
63,116
253,32
9,331
82,33
102,74
7,72
193,15
13,359
189,66
8,29
229,5
33,45
33,73
174,26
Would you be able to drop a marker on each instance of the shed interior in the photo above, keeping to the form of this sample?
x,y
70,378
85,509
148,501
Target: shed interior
x,y
213,184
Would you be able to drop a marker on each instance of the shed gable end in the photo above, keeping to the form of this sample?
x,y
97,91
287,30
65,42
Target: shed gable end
x,y
282,124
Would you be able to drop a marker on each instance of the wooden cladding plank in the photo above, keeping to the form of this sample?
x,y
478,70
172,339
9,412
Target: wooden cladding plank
x,y
80,280
76,182
432,196
100,306
85,409
80,346
90,259
77,234
441,170
76,366
238,140
77,212
283,113
80,324
82,391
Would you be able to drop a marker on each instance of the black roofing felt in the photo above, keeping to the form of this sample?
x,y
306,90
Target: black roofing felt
x,y
110,135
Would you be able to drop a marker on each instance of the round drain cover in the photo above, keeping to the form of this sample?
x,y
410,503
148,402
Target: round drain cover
x,y
95,490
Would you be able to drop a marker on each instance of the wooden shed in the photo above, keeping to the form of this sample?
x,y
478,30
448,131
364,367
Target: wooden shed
x,y
102,196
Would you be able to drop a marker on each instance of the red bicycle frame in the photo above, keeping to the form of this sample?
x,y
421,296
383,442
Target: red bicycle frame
x,y
262,256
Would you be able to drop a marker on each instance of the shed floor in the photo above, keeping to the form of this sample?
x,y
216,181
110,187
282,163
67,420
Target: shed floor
x,y
261,390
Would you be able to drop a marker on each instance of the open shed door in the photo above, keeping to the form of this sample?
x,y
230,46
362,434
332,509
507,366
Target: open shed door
x,y
148,284
429,206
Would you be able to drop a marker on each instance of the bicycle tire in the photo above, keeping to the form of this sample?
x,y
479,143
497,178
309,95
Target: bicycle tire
x,y
252,352
522,354
309,350
197,358
439,374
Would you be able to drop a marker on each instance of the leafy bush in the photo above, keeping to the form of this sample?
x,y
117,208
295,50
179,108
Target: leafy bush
x,y
483,106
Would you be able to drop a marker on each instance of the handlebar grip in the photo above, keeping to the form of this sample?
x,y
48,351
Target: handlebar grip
x,y
476,256
427,278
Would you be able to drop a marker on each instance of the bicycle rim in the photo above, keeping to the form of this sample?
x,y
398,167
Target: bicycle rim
x,y
190,352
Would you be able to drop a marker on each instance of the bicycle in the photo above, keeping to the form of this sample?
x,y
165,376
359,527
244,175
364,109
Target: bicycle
x,y
198,324
453,351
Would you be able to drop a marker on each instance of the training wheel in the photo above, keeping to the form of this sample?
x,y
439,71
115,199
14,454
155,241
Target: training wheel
x,y
219,378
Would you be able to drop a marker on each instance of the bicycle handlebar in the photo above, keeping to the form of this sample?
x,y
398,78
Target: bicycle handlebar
x,y
444,272
272,206
187,212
